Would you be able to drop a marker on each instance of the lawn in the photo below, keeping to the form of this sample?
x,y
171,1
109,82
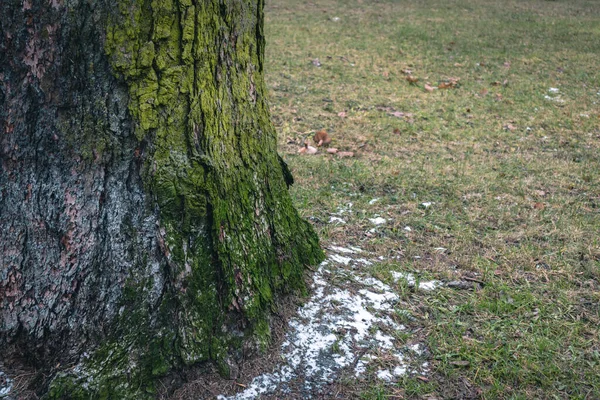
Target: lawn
x,y
492,183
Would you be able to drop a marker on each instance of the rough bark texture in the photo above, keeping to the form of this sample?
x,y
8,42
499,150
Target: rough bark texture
x,y
145,222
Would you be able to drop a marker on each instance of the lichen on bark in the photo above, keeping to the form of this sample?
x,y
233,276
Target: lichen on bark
x,y
228,232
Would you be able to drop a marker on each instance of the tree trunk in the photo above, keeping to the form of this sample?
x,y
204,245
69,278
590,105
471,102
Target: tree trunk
x,y
145,222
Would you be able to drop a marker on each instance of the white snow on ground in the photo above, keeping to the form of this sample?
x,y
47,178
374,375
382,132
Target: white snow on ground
x,y
336,220
349,250
6,385
373,201
377,220
411,280
340,327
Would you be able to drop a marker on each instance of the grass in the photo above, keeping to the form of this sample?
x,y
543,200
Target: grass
x,y
513,177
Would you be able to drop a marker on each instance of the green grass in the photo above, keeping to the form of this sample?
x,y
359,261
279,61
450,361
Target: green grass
x,y
514,177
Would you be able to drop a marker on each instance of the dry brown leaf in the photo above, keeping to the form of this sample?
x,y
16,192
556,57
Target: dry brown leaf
x,y
539,206
484,92
385,74
498,96
321,138
510,127
396,131
345,154
332,150
445,85
412,79
495,83
428,88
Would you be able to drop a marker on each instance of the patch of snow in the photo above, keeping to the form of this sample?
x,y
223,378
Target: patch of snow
x,y
408,229
377,220
338,327
340,259
553,90
384,375
412,281
373,201
343,249
336,219
556,99
6,384
343,210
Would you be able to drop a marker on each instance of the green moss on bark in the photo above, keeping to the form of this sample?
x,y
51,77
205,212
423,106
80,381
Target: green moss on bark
x,y
228,230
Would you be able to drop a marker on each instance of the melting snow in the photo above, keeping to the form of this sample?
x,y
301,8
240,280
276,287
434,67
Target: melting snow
x,y
336,219
377,220
349,250
6,384
411,280
339,327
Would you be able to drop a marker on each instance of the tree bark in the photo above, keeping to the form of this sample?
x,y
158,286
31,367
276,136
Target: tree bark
x,y
145,222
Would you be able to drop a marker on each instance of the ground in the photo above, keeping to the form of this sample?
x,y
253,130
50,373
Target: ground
x,y
490,185
463,231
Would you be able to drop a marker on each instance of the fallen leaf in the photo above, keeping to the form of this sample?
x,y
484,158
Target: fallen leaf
x,y
398,114
406,71
307,149
505,83
445,85
332,150
321,138
385,74
540,193
510,127
507,64
458,65
539,206
342,114
412,79
483,92
498,97
345,154
396,131
428,88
